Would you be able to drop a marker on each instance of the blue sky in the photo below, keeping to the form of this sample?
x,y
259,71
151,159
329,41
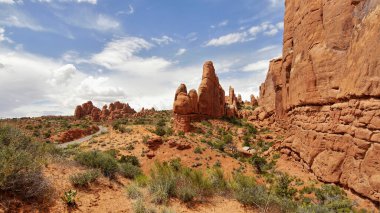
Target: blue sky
x,y
55,54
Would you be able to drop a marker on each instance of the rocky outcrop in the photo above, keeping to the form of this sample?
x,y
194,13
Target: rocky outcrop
x,y
254,101
115,110
74,134
326,88
208,102
144,112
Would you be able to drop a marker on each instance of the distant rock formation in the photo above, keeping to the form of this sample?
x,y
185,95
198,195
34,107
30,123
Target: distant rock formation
x,y
254,101
209,102
114,111
325,91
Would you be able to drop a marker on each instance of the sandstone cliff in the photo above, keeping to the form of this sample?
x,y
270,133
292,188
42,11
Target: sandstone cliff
x,y
325,90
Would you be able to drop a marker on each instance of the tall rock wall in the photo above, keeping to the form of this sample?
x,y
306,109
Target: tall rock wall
x,y
326,88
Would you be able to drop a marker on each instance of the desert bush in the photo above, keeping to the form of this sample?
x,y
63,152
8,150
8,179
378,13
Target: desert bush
x,y
142,180
140,207
227,139
234,121
172,180
160,131
217,180
282,186
21,161
112,152
98,160
129,171
198,150
84,179
130,159
133,191
333,198
259,163
248,192
250,128
69,198
206,123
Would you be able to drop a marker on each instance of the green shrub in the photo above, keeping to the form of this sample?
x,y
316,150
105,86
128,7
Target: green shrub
x,y
172,180
130,159
21,161
98,160
333,198
69,197
282,186
129,171
161,122
227,139
139,207
206,123
142,180
251,129
259,163
133,191
160,131
217,180
217,164
248,192
84,179
112,152
246,140
198,150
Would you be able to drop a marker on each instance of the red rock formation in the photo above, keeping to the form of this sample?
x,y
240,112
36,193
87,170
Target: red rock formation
x,y
253,101
78,114
114,111
209,102
326,88
144,112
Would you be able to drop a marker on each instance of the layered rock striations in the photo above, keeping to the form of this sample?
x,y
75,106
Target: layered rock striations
x,y
113,111
209,102
326,90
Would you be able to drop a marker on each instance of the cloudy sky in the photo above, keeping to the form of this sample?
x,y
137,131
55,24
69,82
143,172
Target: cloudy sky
x,y
56,54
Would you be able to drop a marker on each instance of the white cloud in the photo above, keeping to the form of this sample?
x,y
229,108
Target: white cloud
x,y
104,23
277,3
228,39
75,1
271,32
32,85
63,74
7,2
265,28
14,18
98,90
130,11
181,52
2,36
268,48
259,66
220,24
280,25
164,40
89,20
120,54
87,1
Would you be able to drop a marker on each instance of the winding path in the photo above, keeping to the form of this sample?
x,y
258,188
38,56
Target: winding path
x,y
102,129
